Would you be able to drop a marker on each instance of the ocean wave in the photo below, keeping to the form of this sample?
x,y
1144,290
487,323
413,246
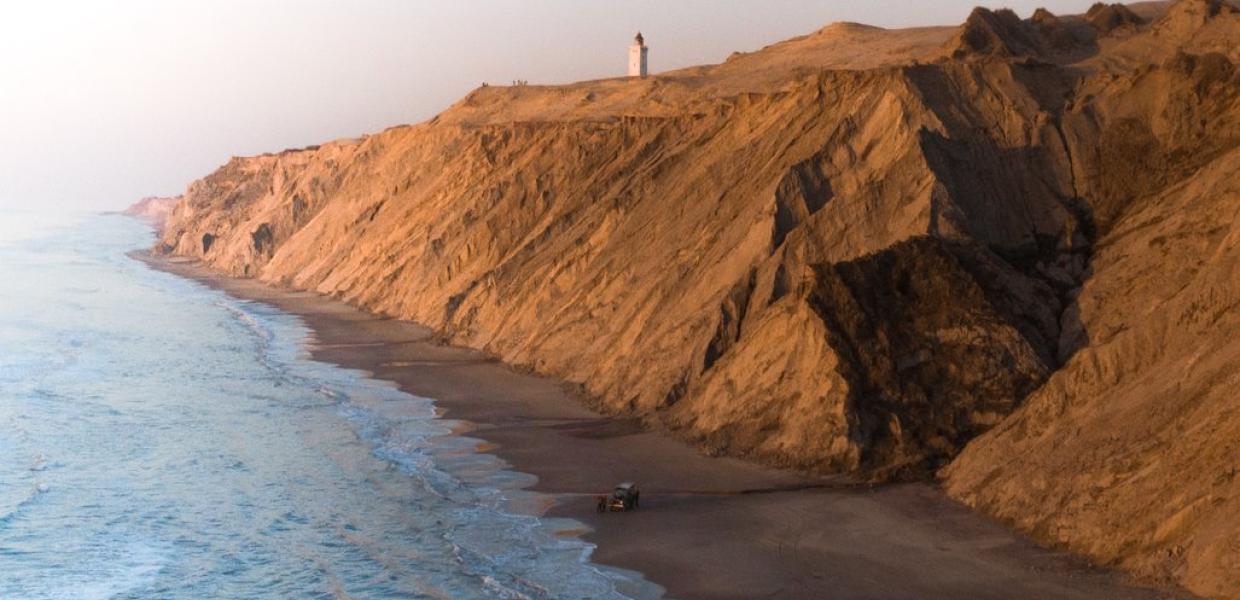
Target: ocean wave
x,y
507,552
134,566
32,495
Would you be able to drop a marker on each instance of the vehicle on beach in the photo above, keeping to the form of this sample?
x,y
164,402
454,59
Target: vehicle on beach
x,y
625,497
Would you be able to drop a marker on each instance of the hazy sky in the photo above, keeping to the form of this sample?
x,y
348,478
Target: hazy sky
x,y
105,101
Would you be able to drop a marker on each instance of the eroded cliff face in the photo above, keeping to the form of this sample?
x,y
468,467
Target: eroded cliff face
x,y
633,255
852,252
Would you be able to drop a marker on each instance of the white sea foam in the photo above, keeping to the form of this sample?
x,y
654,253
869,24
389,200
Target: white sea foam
x,y
135,567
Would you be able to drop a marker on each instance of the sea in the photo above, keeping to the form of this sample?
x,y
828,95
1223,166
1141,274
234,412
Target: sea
x,y
161,439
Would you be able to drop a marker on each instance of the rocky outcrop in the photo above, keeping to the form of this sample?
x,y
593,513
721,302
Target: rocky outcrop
x,y
999,33
1109,17
856,262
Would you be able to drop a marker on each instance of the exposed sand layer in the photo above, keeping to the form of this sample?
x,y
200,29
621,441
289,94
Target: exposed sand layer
x,y
851,253
708,528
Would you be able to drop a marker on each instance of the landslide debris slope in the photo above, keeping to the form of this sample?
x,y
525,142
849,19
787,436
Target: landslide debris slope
x,y
852,252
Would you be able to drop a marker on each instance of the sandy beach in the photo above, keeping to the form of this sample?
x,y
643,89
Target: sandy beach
x,y
708,527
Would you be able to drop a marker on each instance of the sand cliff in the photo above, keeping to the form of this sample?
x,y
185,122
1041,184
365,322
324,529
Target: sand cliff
x,y
1004,252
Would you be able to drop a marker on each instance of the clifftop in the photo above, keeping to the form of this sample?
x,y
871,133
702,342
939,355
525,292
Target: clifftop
x,y
880,253
1087,42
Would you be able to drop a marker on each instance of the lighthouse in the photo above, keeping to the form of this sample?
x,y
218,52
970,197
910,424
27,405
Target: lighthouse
x,y
637,56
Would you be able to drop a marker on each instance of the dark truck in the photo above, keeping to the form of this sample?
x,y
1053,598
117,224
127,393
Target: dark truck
x,y
624,498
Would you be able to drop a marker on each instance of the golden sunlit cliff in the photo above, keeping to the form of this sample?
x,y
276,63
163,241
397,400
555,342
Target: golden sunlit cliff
x,y
1005,253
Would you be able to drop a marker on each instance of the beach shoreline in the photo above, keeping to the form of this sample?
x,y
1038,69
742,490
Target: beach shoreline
x,y
708,527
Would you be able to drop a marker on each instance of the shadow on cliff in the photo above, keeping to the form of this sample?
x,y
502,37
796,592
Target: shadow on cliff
x,y
939,341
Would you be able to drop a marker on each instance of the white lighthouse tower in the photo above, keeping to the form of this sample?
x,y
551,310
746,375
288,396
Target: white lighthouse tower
x,y
637,56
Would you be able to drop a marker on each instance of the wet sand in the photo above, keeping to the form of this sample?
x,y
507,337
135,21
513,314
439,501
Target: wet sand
x,y
708,527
